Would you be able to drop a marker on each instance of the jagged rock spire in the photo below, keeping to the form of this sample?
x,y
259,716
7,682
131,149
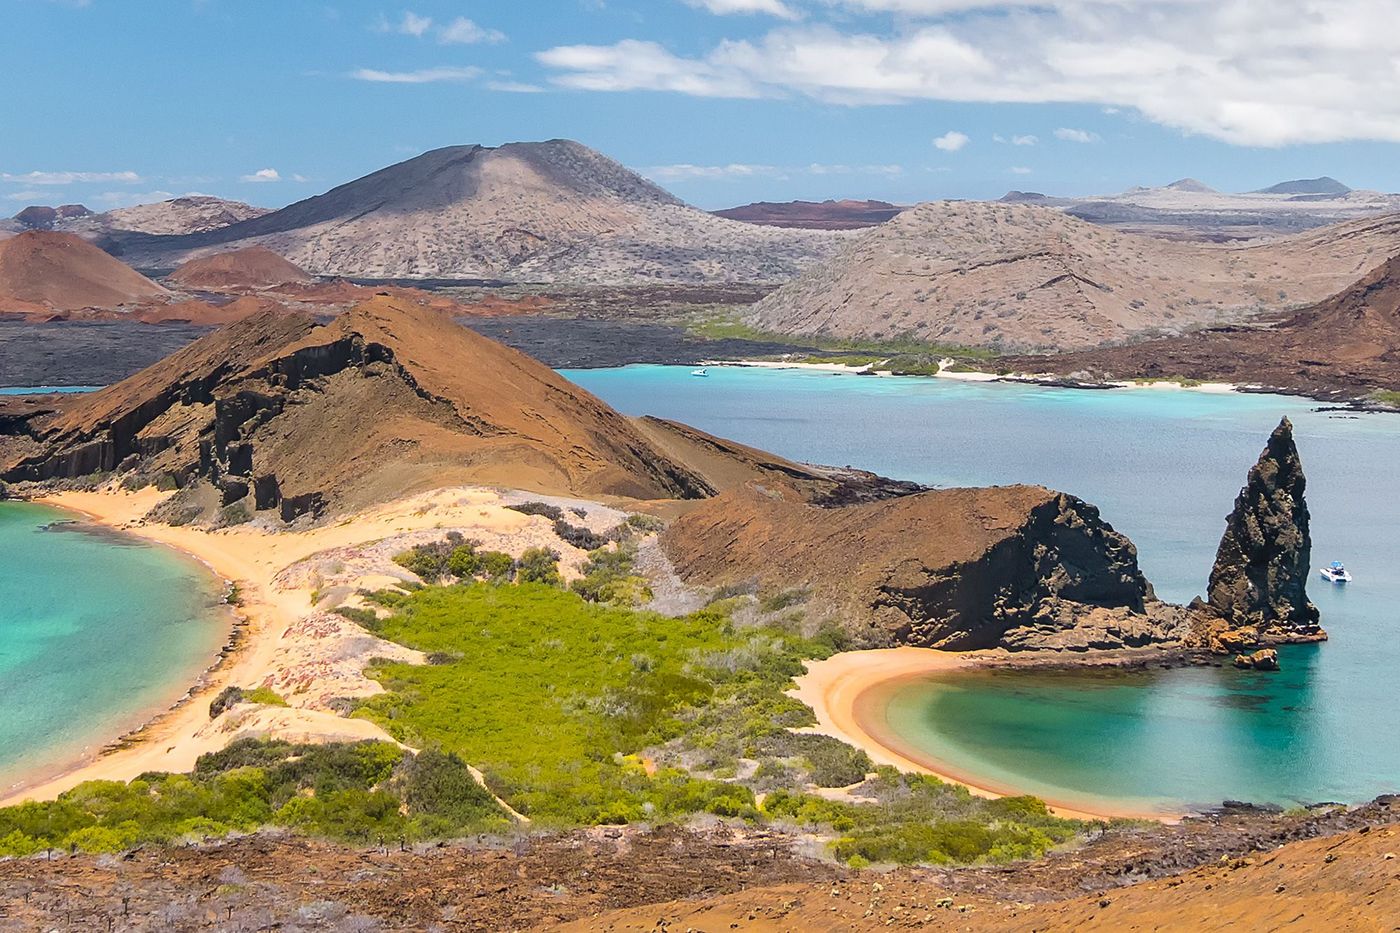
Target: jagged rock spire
x,y
1262,566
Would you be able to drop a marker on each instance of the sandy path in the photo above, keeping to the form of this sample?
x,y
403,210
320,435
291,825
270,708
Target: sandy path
x,y
845,691
279,636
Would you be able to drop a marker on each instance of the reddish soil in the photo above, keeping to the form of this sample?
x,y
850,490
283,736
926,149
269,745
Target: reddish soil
x,y
1332,869
251,268
60,271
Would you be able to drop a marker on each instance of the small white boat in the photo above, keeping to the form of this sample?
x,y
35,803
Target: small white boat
x,y
699,372
1335,573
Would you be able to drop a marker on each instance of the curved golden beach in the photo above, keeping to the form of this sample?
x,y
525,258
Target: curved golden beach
x,y
847,693
286,643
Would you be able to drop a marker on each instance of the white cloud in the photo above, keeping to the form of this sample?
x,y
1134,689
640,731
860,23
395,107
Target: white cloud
x,y
1071,135
421,76
26,196
70,178
262,175
514,87
462,31
687,171
1019,170
1027,140
1249,72
819,169
951,141
110,199
734,170
414,25
633,65
725,7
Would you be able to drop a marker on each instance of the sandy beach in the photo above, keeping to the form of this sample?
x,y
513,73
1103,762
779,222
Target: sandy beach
x,y
974,375
847,692
300,649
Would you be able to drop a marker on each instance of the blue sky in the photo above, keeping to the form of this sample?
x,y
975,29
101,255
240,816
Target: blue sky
x,y
722,101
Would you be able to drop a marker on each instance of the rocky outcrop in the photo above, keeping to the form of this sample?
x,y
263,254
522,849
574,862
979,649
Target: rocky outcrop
x,y
1259,581
386,400
1017,566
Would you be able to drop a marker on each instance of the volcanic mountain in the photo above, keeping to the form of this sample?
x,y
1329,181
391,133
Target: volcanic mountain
x,y
59,271
242,269
550,211
1022,276
812,215
1346,346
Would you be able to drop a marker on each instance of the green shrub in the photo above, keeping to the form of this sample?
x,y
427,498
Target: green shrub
x,y
430,561
467,563
608,578
366,618
539,565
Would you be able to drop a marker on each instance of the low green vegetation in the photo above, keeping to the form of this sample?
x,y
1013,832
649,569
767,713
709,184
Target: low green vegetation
x,y
609,577
914,819
1386,397
855,352
579,710
365,792
232,696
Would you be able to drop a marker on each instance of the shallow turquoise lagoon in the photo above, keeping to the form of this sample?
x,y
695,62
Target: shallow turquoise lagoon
x,y
1164,467
97,632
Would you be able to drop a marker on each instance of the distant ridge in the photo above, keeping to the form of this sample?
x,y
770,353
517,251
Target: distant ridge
x,y
1323,185
534,212
1013,276
814,215
1192,185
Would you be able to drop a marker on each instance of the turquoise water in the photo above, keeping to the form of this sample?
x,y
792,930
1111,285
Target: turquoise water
x,y
97,631
1164,467
37,390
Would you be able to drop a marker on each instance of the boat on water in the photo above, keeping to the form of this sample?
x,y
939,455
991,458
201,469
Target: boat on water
x,y
1335,573
700,372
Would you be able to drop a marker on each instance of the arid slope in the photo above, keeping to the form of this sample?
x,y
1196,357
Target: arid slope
x,y
255,267
59,271
1346,346
1016,276
543,212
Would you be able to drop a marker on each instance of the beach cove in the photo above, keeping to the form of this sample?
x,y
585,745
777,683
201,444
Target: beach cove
x,y
1164,467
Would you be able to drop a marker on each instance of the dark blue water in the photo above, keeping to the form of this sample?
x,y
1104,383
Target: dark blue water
x,y
1164,467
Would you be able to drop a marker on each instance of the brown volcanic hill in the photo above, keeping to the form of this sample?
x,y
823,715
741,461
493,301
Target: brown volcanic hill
x,y
814,215
1346,346
542,212
250,268
386,399
1018,276
40,217
65,272
1011,566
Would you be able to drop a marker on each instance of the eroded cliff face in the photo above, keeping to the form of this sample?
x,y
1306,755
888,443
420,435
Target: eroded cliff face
x,y
1259,581
278,412
1017,566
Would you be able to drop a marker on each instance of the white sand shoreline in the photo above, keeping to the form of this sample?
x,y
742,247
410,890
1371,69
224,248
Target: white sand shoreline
x,y
970,375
